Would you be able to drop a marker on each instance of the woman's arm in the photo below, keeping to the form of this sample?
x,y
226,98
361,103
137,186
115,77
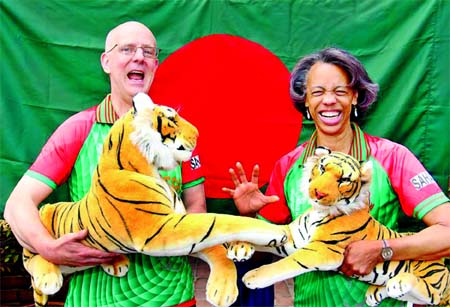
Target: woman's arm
x,y
431,243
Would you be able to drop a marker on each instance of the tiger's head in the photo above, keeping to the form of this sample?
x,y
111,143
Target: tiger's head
x,y
148,137
336,183
162,136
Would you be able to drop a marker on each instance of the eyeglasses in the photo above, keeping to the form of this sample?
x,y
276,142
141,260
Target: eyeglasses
x,y
130,50
340,91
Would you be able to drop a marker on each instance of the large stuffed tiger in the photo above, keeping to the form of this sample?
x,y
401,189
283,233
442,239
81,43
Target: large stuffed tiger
x,y
131,209
338,189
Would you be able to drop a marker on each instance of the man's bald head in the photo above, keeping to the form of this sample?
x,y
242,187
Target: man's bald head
x,y
127,29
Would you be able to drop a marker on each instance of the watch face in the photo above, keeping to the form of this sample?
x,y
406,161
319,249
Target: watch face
x,y
387,253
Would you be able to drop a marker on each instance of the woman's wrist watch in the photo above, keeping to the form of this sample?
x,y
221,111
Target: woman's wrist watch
x,y
386,251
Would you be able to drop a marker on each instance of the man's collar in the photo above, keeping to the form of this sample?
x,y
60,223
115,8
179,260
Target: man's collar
x,y
105,113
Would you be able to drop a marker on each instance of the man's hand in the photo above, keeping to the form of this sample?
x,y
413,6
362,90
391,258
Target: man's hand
x,y
246,194
68,250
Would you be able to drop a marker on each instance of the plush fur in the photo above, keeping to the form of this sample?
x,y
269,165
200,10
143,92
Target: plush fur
x,y
131,209
338,188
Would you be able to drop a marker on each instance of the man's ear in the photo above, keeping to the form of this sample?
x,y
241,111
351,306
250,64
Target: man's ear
x,y
104,60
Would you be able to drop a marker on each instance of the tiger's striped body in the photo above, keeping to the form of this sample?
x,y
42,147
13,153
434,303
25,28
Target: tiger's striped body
x,y
339,192
131,209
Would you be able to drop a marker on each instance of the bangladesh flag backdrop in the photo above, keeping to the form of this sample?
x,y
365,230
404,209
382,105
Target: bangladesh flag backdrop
x,y
226,61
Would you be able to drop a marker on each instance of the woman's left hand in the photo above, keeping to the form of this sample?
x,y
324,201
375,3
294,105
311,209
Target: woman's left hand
x,y
361,257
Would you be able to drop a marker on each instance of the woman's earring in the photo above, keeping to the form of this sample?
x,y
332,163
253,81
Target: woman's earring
x,y
356,112
308,116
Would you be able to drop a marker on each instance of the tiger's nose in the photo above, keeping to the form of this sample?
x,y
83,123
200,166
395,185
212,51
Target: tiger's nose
x,y
320,195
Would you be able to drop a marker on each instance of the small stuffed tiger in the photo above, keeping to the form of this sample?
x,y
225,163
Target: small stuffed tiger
x,y
338,188
131,209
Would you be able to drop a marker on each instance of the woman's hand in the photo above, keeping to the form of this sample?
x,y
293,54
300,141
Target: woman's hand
x,y
361,257
246,194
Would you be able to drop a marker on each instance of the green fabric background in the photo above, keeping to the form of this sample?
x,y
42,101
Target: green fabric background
x,y
50,65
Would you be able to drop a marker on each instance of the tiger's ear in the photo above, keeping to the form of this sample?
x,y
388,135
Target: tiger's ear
x,y
321,151
142,101
366,171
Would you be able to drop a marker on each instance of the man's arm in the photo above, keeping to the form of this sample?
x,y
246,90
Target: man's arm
x,y
194,199
23,216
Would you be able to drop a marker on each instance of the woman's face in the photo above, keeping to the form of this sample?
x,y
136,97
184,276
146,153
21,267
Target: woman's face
x,y
328,98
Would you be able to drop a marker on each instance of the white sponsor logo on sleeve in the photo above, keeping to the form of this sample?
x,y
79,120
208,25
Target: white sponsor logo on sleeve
x,y
422,180
195,162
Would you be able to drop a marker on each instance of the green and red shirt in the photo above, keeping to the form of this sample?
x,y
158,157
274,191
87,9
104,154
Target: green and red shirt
x,y
71,154
399,182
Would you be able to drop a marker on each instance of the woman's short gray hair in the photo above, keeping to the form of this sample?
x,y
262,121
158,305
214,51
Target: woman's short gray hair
x,y
357,74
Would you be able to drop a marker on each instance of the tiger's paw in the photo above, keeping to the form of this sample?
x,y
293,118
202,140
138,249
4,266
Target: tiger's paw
x,y
374,295
118,268
222,294
48,283
256,279
400,285
46,277
221,288
239,251
372,301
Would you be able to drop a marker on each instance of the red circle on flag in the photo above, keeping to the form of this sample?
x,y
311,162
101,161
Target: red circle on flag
x,y
236,92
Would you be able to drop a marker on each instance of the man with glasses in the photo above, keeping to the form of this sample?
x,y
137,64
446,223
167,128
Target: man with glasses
x,y
71,154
